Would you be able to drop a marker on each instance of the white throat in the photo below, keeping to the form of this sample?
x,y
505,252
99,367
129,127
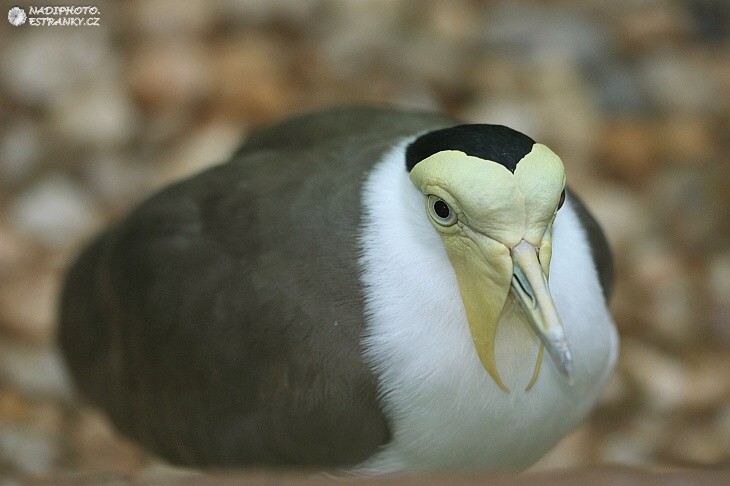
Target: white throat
x,y
444,409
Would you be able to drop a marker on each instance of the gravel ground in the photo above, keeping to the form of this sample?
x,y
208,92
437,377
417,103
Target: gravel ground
x,y
633,94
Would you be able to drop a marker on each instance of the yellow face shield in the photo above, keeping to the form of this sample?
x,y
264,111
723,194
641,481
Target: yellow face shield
x,y
496,227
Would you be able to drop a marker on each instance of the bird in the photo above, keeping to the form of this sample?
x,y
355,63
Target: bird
x,y
358,289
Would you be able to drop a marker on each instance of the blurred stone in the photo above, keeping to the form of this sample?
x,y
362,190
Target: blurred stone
x,y
628,149
688,140
570,452
13,250
651,24
56,211
360,38
47,415
99,449
119,182
159,471
545,34
433,57
701,445
719,317
672,312
161,128
98,117
624,216
719,277
709,383
258,12
619,449
663,380
20,151
722,424
174,75
627,315
634,444
495,76
28,451
688,204
718,289
668,304
166,18
251,78
36,372
13,406
616,393
28,305
454,21
416,97
614,84
569,113
44,65
712,19
679,82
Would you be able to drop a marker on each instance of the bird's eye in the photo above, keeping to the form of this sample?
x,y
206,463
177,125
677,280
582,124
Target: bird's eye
x,y
562,199
440,211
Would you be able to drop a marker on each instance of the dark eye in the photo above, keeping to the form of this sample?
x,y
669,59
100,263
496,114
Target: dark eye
x,y
562,199
440,211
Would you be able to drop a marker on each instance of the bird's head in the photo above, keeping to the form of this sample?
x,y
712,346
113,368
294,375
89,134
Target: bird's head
x,y
492,195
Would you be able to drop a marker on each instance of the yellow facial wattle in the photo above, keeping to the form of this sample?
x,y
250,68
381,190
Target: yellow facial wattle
x,y
499,242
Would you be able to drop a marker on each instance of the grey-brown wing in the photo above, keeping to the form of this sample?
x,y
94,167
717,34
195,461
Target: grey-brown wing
x,y
173,328
220,322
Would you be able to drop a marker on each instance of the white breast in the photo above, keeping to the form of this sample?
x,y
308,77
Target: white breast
x,y
445,411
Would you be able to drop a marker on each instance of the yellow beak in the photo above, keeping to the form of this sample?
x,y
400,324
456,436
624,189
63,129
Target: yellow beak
x,y
530,285
487,272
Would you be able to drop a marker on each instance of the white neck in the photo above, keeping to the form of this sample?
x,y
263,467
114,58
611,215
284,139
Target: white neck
x,y
445,410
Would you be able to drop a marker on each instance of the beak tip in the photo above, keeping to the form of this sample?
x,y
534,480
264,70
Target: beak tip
x,y
563,358
566,369
568,373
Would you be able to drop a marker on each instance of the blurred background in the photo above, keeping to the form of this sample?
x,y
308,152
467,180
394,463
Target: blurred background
x,y
633,94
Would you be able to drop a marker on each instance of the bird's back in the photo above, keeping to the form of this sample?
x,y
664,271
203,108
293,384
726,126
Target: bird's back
x,y
212,322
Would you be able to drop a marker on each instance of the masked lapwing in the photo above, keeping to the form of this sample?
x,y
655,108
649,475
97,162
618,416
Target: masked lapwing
x,y
361,289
